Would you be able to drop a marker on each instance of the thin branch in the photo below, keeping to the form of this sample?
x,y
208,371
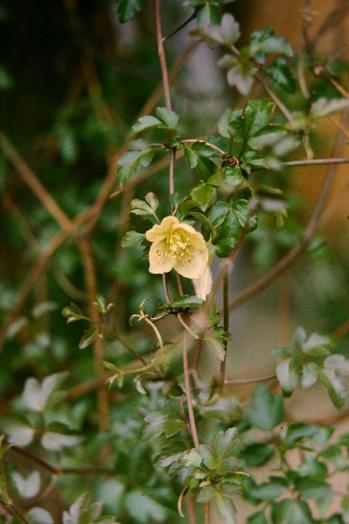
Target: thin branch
x,y
192,422
91,284
254,380
181,26
226,317
207,512
316,162
341,330
162,57
58,470
275,98
131,350
35,185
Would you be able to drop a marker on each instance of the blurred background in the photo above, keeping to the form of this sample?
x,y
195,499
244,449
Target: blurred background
x,y
73,80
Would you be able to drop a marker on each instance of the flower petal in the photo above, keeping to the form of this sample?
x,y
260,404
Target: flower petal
x,y
159,232
193,264
160,262
203,284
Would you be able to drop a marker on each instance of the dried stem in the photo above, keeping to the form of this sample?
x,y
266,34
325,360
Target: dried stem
x,y
162,57
207,512
275,98
57,470
225,324
192,422
35,185
91,284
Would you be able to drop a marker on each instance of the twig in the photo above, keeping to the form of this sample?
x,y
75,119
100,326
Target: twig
x,y
275,98
186,327
316,162
91,284
58,470
35,185
225,324
189,506
341,330
207,512
254,380
131,350
162,57
181,26
192,422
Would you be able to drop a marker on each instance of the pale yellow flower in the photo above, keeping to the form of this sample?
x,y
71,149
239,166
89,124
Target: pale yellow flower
x,y
178,246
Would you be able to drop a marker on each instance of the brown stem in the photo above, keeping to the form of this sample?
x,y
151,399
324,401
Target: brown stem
x,y
162,57
181,26
275,98
57,470
255,380
35,185
317,162
189,506
225,324
207,512
91,284
192,422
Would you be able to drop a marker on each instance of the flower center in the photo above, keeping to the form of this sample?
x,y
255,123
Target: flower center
x,y
177,245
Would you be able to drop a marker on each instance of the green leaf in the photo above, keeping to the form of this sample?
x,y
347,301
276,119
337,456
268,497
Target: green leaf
x,y
203,195
38,515
335,386
317,345
132,238
257,518
257,115
131,161
73,313
312,468
191,157
265,42
88,337
257,454
36,396
152,200
225,509
226,33
267,490
266,410
145,122
324,106
208,456
206,494
27,487
19,431
287,375
186,302
291,512
225,442
127,9
229,235
84,511
311,488
240,72
281,73
144,508
169,118
58,436
300,431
